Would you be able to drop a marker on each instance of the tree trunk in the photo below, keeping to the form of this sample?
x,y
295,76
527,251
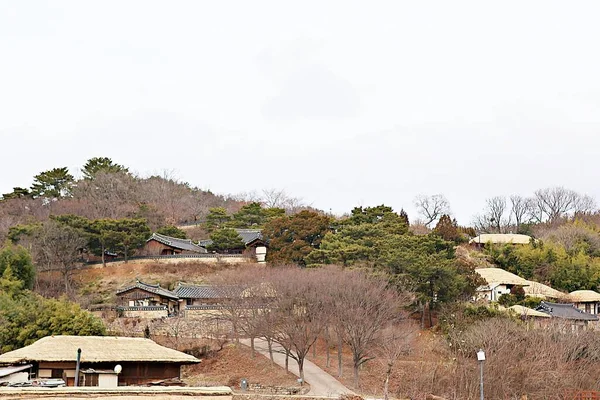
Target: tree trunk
x,y
422,309
429,312
339,346
301,369
327,362
356,382
252,347
386,383
126,254
314,350
66,279
287,360
103,258
270,346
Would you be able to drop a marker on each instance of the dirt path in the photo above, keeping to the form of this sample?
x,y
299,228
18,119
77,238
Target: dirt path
x,y
321,383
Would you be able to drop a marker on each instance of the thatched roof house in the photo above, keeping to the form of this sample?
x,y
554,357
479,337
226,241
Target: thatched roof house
x,y
500,238
525,312
501,276
536,289
142,360
586,300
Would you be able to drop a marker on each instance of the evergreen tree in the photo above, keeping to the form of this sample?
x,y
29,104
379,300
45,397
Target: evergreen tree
x,y
292,238
101,164
447,229
172,231
17,193
216,218
54,183
225,240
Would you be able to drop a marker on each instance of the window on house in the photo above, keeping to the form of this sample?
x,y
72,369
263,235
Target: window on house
x,y
57,373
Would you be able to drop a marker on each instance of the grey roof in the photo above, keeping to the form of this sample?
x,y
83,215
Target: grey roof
x,y
565,311
181,244
13,369
198,292
248,236
150,288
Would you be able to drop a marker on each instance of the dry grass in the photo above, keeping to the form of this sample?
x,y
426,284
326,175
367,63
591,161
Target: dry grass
x,y
98,285
230,365
410,375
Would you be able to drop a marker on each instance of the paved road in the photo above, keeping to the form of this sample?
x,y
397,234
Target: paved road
x,y
321,383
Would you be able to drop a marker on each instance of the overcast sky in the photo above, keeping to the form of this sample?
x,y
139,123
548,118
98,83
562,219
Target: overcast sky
x,y
341,103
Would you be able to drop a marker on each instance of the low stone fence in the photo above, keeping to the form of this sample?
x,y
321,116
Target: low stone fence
x,y
280,390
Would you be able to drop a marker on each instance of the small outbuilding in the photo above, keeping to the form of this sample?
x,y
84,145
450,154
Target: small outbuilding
x,y
15,374
586,300
162,245
106,361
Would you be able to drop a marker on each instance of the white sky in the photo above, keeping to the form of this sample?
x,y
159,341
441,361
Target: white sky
x,y
341,103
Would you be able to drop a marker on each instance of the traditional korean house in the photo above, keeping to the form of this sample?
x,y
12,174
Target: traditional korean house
x,y
253,240
498,282
500,238
586,300
567,313
142,295
106,361
199,295
162,245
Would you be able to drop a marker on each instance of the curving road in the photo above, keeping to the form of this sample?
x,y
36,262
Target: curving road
x,y
321,383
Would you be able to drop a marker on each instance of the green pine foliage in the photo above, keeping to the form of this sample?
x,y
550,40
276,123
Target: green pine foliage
x,y
101,164
172,231
225,239
54,183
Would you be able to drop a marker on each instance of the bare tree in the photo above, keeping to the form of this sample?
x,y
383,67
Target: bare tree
x,y
299,306
495,217
394,341
520,209
431,207
368,304
278,198
58,247
554,203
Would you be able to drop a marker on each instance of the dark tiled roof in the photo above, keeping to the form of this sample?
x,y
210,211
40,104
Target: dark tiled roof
x,y
248,236
181,244
565,311
198,292
150,288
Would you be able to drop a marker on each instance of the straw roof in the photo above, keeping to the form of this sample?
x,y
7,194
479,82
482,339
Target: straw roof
x,y
536,289
501,238
583,296
500,276
96,349
528,312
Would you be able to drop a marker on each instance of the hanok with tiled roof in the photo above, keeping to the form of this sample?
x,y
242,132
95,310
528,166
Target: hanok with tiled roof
x,y
250,237
567,312
200,294
166,245
253,241
143,294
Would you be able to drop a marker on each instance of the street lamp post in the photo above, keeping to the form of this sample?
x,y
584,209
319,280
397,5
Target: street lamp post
x,y
481,359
